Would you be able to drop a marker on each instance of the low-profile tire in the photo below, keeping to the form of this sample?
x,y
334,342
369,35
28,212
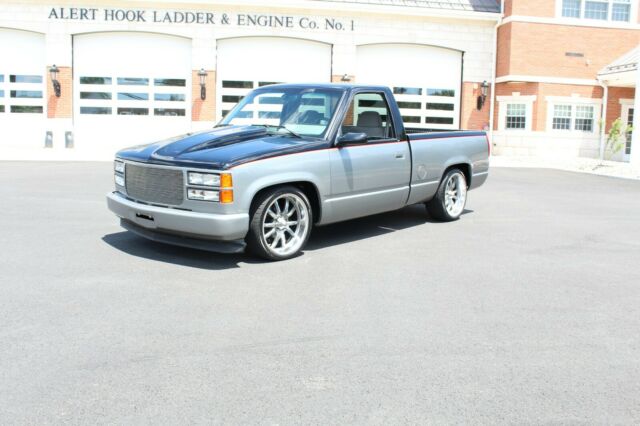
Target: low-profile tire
x,y
281,221
450,199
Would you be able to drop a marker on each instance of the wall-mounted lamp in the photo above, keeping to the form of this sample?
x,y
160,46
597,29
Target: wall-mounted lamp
x,y
53,72
484,89
203,83
345,77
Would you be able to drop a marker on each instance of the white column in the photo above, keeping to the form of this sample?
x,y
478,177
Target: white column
x,y
635,139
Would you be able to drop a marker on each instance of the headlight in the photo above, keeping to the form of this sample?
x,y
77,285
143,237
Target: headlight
x,y
118,166
202,194
204,179
119,180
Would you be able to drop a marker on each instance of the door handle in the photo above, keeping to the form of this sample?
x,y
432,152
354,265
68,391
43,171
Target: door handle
x,y
399,155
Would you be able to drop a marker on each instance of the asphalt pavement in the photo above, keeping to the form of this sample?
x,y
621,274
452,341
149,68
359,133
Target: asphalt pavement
x,y
526,310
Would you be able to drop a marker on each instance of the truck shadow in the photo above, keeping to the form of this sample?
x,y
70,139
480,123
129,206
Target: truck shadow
x,y
322,237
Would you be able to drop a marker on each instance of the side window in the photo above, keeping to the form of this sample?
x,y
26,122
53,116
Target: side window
x,y
369,113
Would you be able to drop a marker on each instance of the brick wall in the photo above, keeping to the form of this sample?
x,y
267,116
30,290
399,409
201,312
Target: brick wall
x,y
539,8
61,107
540,49
338,79
472,119
203,110
614,109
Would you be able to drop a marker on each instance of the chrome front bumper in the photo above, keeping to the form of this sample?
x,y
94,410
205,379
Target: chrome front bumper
x,y
207,226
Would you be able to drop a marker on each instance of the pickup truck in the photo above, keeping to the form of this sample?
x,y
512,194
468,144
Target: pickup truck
x,y
289,157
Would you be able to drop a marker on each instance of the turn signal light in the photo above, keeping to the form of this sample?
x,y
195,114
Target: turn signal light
x,y
226,181
226,196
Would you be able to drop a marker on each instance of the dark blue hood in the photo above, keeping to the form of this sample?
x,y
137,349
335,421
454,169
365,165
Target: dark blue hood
x,y
220,148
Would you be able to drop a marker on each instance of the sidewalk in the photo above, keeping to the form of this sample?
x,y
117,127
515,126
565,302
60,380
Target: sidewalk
x,y
582,165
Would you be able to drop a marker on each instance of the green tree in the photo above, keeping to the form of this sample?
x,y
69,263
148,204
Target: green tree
x,y
616,138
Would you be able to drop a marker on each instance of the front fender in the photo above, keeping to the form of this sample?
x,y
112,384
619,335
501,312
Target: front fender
x,y
251,178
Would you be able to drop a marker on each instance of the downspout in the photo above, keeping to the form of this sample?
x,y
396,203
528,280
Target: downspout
x,y
494,71
603,127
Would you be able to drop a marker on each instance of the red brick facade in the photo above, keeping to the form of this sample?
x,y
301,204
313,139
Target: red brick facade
x,y
543,55
60,107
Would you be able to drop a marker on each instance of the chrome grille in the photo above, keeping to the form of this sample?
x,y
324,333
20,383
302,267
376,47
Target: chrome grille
x,y
154,184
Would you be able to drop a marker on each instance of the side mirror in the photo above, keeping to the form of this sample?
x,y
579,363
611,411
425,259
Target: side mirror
x,y
352,138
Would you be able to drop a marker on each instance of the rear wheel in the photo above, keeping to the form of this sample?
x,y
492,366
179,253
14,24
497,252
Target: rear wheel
x,y
280,223
451,198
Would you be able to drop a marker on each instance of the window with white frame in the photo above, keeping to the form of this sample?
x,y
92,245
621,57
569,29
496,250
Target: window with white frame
x,y
561,117
584,118
601,10
578,117
516,116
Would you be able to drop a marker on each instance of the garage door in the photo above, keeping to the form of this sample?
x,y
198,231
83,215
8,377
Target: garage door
x,y
425,81
22,89
130,88
250,62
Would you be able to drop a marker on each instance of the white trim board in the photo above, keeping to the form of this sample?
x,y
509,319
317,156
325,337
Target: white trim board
x,y
545,79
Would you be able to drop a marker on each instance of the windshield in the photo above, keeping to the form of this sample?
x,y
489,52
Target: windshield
x,y
297,111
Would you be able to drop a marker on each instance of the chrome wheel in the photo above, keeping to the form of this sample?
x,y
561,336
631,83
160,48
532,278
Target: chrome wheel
x,y
455,194
285,224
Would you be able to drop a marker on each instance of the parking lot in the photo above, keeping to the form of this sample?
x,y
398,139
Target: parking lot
x,y
527,310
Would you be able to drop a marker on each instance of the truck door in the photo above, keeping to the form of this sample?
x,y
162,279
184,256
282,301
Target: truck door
x,y
370,177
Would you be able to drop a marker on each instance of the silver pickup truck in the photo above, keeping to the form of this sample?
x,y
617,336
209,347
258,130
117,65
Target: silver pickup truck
x,y
289,157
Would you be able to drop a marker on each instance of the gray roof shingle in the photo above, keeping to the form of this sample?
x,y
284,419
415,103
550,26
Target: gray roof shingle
x,y
492,6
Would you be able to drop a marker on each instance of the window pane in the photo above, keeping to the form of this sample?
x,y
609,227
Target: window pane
x,y
410,105
1,93
269,114
269,100
596,10
172,112
584,118
95,110
170,82
32,94
230,84
26,109
620,12
440,107
172,97
1,108
95,80
516,116
266,83
128,81
407,91
441,92
235,99
25,79
95,95
133,96
1,78
438,120
133,111
561,117
372,103
410,119
571,8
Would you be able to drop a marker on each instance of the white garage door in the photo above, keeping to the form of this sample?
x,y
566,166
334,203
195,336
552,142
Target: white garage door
x,y
130,88
425,81
22,89
250,62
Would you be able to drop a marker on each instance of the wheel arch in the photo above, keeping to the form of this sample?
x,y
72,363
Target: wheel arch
x,y
308,188
464,167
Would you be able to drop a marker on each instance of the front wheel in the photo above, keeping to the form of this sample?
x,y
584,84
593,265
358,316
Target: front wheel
x,y
449,202
280,223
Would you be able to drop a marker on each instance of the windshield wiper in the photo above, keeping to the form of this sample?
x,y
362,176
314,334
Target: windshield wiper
x,y
291,132
222,125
